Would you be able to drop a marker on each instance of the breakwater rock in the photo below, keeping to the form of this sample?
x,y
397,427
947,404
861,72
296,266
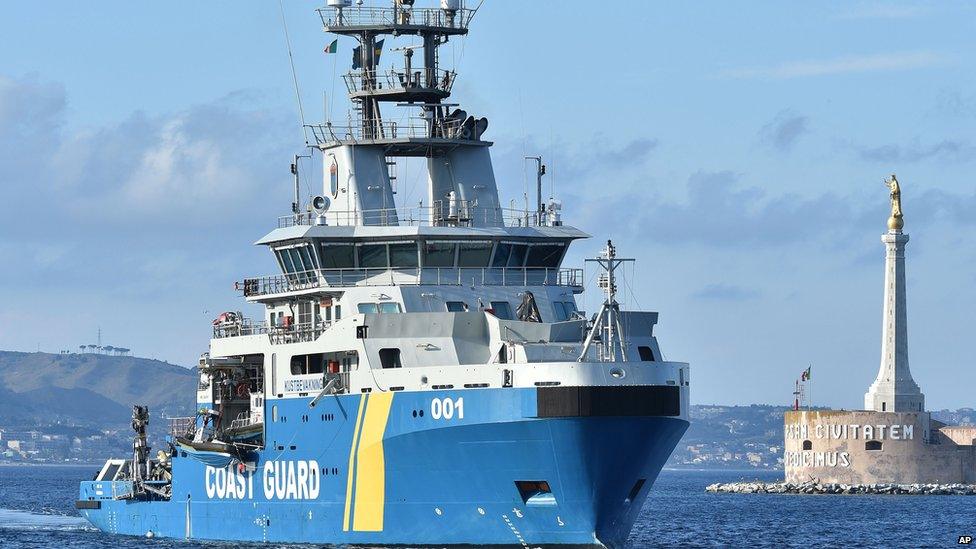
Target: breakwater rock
x,y
831,488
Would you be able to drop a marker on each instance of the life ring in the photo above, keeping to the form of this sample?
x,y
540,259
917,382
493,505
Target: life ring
x,y
242,391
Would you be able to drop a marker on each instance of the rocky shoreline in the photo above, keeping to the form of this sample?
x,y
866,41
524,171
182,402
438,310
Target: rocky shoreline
x,y
828,488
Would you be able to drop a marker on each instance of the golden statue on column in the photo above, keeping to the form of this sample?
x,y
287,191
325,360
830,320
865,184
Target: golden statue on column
x,y
896,221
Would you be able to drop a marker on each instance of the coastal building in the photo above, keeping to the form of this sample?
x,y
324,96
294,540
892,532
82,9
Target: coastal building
x,y
893,440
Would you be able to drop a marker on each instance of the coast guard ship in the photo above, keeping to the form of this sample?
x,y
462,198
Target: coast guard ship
x,y
420,376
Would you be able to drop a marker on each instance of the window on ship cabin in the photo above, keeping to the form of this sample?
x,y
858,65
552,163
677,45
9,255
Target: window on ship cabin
x,y
457,306
390,307
304,313
285,259
570,308
439,254
560,311
368,308
373,256
338,256
306,364
502,310
502,251
646,353
404,255
545,256
474,254
390,358
516,260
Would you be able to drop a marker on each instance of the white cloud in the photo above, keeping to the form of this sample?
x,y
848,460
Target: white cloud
x,y
840,65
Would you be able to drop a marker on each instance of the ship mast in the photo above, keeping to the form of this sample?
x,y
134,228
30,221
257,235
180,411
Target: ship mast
x,y
607,322
425,87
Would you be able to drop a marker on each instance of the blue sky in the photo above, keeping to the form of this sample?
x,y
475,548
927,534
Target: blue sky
x,y
737,150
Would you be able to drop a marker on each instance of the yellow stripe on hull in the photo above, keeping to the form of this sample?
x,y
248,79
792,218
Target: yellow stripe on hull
x,y
371,466
352,462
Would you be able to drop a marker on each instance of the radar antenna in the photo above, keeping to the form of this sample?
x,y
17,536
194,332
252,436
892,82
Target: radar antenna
x,y
607,321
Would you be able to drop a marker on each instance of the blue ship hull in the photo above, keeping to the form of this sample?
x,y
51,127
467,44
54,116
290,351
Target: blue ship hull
x,y
398,469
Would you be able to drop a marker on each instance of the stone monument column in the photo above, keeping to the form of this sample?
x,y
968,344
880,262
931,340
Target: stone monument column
x,y
894,390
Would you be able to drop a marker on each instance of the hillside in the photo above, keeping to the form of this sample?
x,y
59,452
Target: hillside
x,y
89,389
737,437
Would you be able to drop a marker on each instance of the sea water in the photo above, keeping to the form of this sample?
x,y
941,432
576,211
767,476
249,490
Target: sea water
x,y
37,510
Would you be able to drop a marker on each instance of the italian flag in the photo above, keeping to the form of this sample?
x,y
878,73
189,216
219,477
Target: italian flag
x,y
333,47
806,374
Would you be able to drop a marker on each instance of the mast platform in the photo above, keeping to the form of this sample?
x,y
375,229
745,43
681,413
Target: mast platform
x,y
398,84
396,139
353,21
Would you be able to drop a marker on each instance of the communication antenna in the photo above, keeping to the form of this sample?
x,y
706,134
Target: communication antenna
x,y
294,75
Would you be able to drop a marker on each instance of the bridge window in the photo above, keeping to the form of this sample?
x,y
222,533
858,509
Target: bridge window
x,y
502,251
338,256
285,258
560,309
873,445
373,256
390,307
545,255
502,310
368,308
807,445
457,306
390,358
517,257
439,254
404,255
474,254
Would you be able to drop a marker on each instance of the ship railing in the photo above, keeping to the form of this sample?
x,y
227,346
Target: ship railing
x,y
241,326
444,213
302,332
182,426
409,276
283,333
395,79
385,130
387,17
243,419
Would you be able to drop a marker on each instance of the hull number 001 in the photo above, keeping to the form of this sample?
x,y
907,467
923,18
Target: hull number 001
x,y
447,408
